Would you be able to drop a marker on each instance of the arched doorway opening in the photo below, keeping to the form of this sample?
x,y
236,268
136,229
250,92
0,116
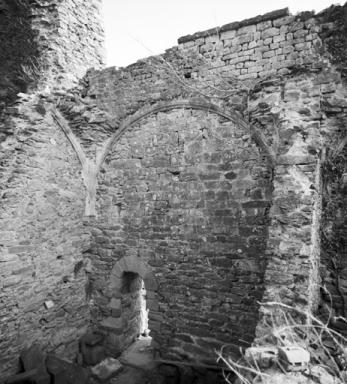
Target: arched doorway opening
x,y
133,307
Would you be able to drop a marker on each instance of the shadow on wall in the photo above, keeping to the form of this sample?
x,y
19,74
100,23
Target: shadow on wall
x,y
19,66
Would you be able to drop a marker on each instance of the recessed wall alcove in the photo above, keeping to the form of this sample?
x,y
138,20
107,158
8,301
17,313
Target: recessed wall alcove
x,y
132,291
184,195
134,311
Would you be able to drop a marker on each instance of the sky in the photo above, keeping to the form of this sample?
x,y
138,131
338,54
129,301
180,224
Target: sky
x,y
139,28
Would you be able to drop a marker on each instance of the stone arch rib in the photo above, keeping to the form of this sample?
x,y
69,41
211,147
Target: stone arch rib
x,y
235,117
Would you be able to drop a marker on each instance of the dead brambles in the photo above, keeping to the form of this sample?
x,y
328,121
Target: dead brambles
x,y
297,348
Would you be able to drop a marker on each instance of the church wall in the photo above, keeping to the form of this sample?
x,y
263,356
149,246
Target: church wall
x,y
222,213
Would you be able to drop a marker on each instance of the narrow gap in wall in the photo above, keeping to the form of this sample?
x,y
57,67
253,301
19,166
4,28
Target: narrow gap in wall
x,y
134,308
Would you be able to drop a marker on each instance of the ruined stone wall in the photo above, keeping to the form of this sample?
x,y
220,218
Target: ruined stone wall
x,y
47,43
18,50
43,299
208,161
42,238
334,103
262,46
70,38
334,239
265,46
188,194
333,234
276,70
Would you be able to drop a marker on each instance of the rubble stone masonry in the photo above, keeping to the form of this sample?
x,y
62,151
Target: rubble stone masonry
x,y
204,171
44,45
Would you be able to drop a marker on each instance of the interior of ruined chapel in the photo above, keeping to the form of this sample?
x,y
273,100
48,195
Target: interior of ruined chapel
x,y
180,220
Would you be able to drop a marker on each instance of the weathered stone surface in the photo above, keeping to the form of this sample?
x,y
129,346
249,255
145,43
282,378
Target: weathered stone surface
x,y
294,358
107,369
33,358
92,349
213,213
112,323
175,212
46,237
64,372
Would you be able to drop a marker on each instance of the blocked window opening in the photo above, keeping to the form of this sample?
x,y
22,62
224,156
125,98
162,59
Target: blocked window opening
x,y
134,310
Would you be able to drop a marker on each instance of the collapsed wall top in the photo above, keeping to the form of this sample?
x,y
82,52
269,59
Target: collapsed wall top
x,y
48,43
